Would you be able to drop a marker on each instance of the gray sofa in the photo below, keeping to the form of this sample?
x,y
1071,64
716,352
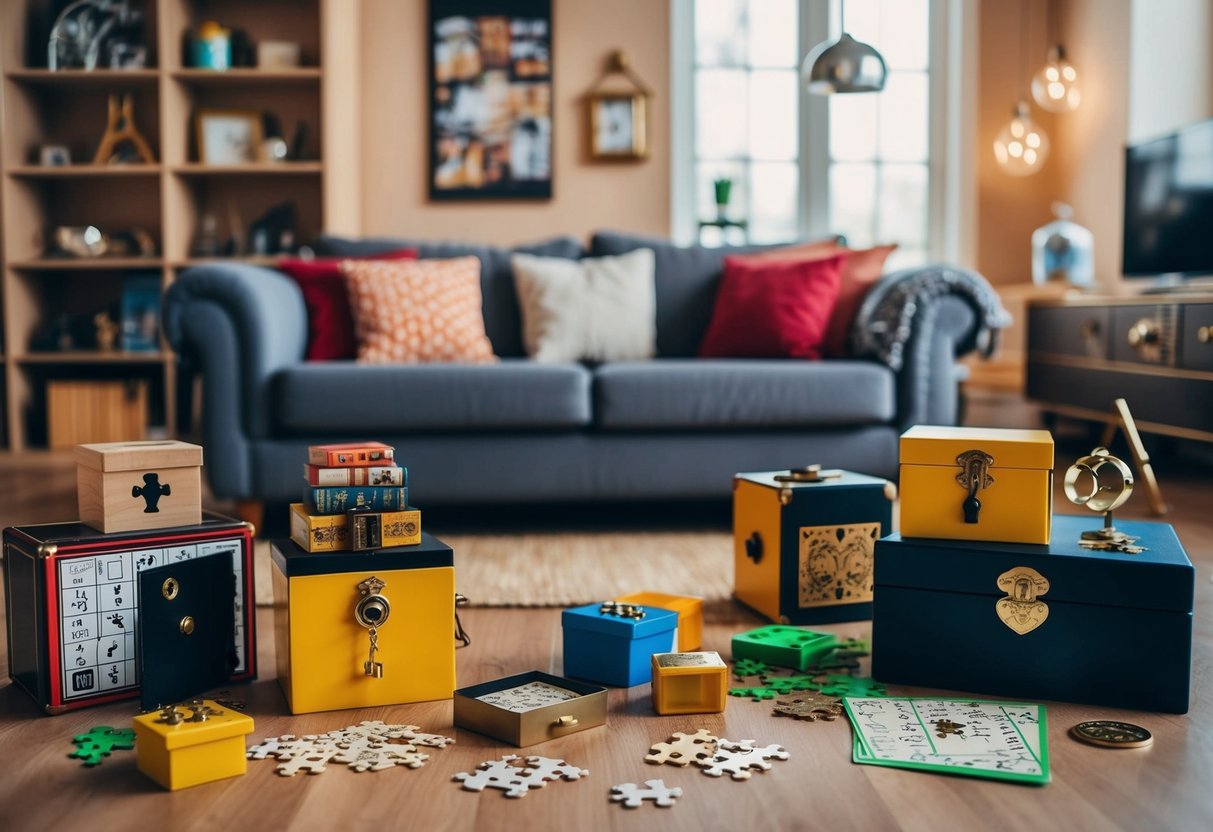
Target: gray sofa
x,y
676,427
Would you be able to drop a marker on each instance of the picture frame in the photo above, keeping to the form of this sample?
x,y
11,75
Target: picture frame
x,y
491,94
618,125
228,137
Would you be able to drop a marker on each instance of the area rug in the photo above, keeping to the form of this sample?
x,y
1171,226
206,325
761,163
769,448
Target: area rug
x,y
563,569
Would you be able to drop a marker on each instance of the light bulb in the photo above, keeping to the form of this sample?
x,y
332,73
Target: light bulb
x,y
1021,146
1055,87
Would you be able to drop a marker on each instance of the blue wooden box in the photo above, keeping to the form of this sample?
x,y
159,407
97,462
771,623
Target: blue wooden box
x,y
1023,621
614,650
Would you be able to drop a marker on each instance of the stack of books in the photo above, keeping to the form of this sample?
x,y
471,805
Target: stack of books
x,y
356,498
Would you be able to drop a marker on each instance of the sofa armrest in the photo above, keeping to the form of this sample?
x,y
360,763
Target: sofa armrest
x,y
918,322
238,325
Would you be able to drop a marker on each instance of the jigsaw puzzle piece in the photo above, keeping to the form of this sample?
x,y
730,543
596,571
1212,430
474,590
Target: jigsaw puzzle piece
x,y
99,742
631,795
499,774
837,684
743,668
681,749
546,768
810,706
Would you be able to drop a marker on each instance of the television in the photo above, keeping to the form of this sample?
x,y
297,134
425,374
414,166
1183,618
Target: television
x,y
1169,204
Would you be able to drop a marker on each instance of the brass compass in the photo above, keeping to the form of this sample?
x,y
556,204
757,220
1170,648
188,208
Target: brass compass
x,y
1102,483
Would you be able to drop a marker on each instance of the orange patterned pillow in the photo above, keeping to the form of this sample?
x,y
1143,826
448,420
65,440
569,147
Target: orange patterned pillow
x,y
417,311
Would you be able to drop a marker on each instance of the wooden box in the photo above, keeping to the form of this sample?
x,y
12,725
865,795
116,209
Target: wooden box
x,y
95,411
689,683
988,484
783,646
690,615
331,532
324,604
530,708
612,649
1033,622
127,486
73,611
186,753
802,543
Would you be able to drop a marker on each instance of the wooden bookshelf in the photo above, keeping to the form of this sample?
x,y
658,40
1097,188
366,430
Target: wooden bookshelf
x,y
169,197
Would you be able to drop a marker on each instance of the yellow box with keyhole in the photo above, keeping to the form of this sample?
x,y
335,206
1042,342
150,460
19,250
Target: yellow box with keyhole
x,y
185,753
330,609
990,484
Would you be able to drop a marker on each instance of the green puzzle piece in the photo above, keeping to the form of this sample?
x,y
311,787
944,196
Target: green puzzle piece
x,y
749,667
100,741
757,694
773,686
836,684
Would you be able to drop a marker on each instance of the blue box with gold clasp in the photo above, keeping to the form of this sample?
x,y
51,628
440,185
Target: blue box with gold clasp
x,y
1023,621
803,542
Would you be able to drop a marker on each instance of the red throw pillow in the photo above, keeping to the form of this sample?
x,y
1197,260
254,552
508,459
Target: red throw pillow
x,y
330,323
863,268
772,308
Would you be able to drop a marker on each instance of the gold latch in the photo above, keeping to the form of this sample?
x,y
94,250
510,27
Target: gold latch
x,y
974,476
1021,610
372,611
809,473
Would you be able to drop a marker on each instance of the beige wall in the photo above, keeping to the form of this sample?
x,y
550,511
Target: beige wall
x,y
1171,83
586,196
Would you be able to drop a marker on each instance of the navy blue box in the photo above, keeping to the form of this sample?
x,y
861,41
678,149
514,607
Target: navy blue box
x,y
614,650
1100,628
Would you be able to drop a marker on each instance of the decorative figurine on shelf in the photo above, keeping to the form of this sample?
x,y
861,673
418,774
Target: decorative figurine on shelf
x,y
107,331
122,143
211,47
1102,495
83,28
1063,251
723,189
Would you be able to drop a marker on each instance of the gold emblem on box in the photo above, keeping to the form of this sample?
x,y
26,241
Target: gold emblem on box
x,y
1020,610
836,564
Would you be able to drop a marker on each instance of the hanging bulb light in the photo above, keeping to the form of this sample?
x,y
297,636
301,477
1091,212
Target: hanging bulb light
x,y
1055,87
1021,146
843,66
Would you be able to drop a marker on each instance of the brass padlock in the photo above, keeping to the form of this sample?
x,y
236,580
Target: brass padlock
x,y
974,476
371,612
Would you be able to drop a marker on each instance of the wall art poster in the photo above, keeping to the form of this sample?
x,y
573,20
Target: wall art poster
x,y
490,99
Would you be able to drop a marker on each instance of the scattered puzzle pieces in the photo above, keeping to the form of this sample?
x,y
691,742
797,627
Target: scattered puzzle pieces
x,y
546,768
837,684
810,706
367,746
757,694
417,737
288,745
743,668
379,757
738,759
99,742
313,762
499,774
773,686
631,795
681,749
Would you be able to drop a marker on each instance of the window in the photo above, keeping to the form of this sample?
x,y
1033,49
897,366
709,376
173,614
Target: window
x,y
803,166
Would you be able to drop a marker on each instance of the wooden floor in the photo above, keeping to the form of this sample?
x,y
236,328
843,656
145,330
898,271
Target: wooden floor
x,y
1168,786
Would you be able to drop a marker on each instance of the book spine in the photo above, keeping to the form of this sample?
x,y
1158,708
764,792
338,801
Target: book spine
x,y
321,500
349,457
389,475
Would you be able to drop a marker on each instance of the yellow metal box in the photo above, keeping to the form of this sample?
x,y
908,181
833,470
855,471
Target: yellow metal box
x,y
178,753
128,486
530,708
690,615
364,629
331,532
689,683
988,484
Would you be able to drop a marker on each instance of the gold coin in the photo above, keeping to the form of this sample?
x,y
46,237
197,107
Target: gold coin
x,y
1109,734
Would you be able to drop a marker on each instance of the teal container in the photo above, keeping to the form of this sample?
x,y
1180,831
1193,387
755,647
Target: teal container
x,y
613,650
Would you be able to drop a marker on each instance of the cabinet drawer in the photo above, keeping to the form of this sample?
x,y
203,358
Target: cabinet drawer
x,y
1196,341
1076,331
1143,334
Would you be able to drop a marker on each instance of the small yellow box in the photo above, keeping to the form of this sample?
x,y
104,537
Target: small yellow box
x,y
689,683
688,607
129,486
331,532
989,484
192,753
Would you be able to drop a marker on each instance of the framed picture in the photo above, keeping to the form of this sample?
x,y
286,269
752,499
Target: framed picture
x,y
490,99
618,128
228,137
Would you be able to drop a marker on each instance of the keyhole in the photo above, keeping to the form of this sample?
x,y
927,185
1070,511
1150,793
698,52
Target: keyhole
x,y
972,507
753,547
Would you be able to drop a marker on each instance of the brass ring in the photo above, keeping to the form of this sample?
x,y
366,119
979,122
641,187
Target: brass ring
x,y
1101,498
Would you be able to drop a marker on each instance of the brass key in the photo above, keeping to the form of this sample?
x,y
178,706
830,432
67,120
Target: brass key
x,y
371,611
974,475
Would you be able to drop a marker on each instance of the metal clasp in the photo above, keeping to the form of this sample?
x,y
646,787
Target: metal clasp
x,y
372,611
1021,609
809,473
974,475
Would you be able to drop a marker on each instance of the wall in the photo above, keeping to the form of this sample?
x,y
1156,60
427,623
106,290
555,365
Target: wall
x,y
586,196
1171,84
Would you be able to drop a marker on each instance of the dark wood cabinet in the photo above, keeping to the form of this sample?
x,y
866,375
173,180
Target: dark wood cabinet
x,y
1157,353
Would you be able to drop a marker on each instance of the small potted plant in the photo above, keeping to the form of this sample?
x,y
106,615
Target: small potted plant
x,y
723,187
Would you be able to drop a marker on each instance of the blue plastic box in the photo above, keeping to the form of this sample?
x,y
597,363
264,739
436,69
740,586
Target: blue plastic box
x,y
614,650
1023,622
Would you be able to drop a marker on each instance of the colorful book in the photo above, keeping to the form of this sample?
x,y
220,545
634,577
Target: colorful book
x,y
350,454
338,500
371,475
332,532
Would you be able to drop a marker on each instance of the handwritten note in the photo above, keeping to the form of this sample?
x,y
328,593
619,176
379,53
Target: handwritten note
x,y
979,738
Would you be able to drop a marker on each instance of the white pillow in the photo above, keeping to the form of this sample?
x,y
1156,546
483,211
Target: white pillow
x,y
596,309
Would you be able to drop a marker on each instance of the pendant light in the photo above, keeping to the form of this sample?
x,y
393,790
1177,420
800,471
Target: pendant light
x,y
1055,86
844,65
1021,146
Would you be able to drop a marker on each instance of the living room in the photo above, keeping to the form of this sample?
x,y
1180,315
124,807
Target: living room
x,y
636,295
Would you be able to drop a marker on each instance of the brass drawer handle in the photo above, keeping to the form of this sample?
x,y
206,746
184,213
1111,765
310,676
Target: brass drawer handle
x,y
566,721
1204,334
1144,333
1089,329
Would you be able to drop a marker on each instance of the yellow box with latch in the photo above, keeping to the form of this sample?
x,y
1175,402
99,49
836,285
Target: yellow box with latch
x,y
989,484
689,683
188,745
364,629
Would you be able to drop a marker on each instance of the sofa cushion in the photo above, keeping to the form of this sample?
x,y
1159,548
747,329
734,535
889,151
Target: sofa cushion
x,y
502,320
742,394
343,397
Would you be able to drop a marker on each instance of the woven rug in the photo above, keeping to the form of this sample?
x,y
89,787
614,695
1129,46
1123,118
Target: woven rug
x,y
563,569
